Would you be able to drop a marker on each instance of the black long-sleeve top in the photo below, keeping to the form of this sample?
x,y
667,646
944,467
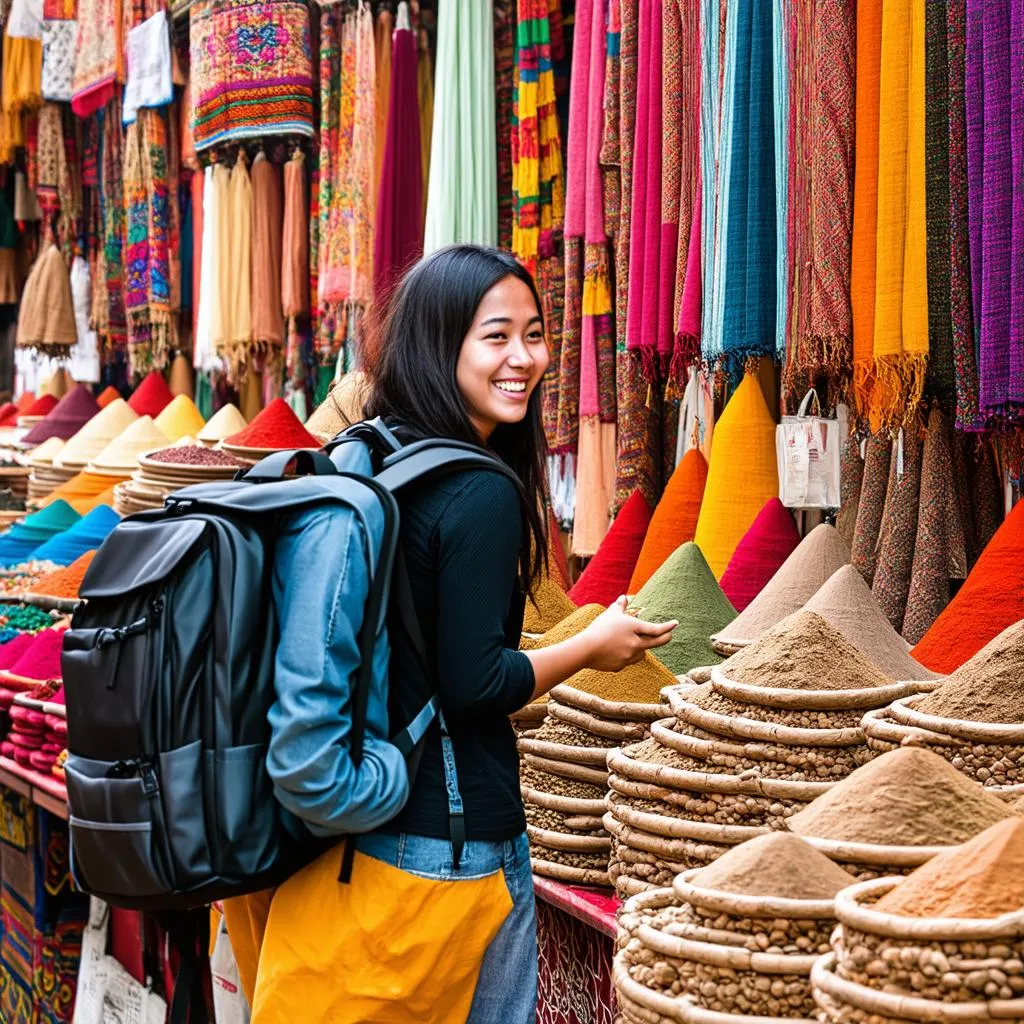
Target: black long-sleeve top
x,y
461,537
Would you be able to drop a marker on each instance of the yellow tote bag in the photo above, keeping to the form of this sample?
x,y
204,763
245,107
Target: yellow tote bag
x,y
390,947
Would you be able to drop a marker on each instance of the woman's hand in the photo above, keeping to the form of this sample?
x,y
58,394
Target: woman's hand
x,y
612,641
617,639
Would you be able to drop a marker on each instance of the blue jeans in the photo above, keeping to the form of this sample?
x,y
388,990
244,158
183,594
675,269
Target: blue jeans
x,y
506,991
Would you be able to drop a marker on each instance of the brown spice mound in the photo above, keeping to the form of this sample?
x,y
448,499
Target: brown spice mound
x,y
981,879
778,865
546,606
803,652
574,623
907,797
988,688
641,683
196,455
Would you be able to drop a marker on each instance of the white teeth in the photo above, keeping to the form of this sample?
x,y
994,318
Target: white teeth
x,y
513,387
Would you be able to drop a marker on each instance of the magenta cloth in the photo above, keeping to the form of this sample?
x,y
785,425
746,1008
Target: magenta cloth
x,y
26,740
398,241
59,727
607,575
12,651
7,749
23,757
689,308
6,698
576,136
49,747
771,539
995,165
642,314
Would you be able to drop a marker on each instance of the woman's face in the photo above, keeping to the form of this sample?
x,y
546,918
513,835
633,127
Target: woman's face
x,y
503,357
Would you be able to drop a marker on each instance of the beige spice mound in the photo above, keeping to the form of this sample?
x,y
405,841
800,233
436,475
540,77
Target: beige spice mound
x,y
907,797
846,602
779,865
988,688
983,878
803,652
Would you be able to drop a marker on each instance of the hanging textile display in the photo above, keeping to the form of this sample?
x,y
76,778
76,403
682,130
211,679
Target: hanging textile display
x,y
745,296
865,199
382,45
461,202
398,238
60,31
425,92
588,290
995,126
711,12
295,266
109,313
151,285
645,224
251,68
99,55
901,288
962,321
940,381
820,196
538,187
267,227
504,82
22,74
237,341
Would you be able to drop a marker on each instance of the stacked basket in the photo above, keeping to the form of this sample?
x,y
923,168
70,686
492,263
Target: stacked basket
x,y
951,963
166,470
45,475
975,719
741,757
730,942
563,759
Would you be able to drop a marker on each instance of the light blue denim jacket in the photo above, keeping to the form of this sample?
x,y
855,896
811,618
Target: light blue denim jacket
x,y
320,587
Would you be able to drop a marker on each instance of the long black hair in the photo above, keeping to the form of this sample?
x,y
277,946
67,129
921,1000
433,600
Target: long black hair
x,y
413,382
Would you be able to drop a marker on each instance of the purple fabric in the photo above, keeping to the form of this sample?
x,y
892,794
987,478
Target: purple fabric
x,y
398,242
995,126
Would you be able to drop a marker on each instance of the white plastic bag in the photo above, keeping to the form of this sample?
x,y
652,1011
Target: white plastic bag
x,y
807,449
229,1005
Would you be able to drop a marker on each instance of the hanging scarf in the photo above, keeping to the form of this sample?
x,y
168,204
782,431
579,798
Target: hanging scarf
x,y
686,346
504,80
382,42
238,258
399,231
461,200
153,240
425,94
901,291
995,122
112,323
99,55
361,184
747,319
710,135
644,310
267,226
218,220
537,182
295,257
962,320
638,452
865,199
209,258
940,382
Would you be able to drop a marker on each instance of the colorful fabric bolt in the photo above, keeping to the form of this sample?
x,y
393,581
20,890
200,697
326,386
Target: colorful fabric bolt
x,y
252,70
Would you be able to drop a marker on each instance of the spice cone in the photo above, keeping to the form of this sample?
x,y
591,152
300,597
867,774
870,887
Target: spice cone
x,y
276,427
152,396
908,797
107,395
771,539
180,419
546,606
107,424
121,455
227,420
821,553
984,878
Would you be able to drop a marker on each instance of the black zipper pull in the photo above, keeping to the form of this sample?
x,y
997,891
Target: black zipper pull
x,y
150,785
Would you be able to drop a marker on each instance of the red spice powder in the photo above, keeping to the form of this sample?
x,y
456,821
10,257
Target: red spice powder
x,y
42,406
42,659
151,396
275,427
108,395
991,599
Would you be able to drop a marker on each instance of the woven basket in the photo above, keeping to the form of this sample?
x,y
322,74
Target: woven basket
x,y
680,828
570,875
591,757
530,715
542,837
809,700
982,760
977,732
679,851
873,860
562,804
701,954
624,711
566,770
609,729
